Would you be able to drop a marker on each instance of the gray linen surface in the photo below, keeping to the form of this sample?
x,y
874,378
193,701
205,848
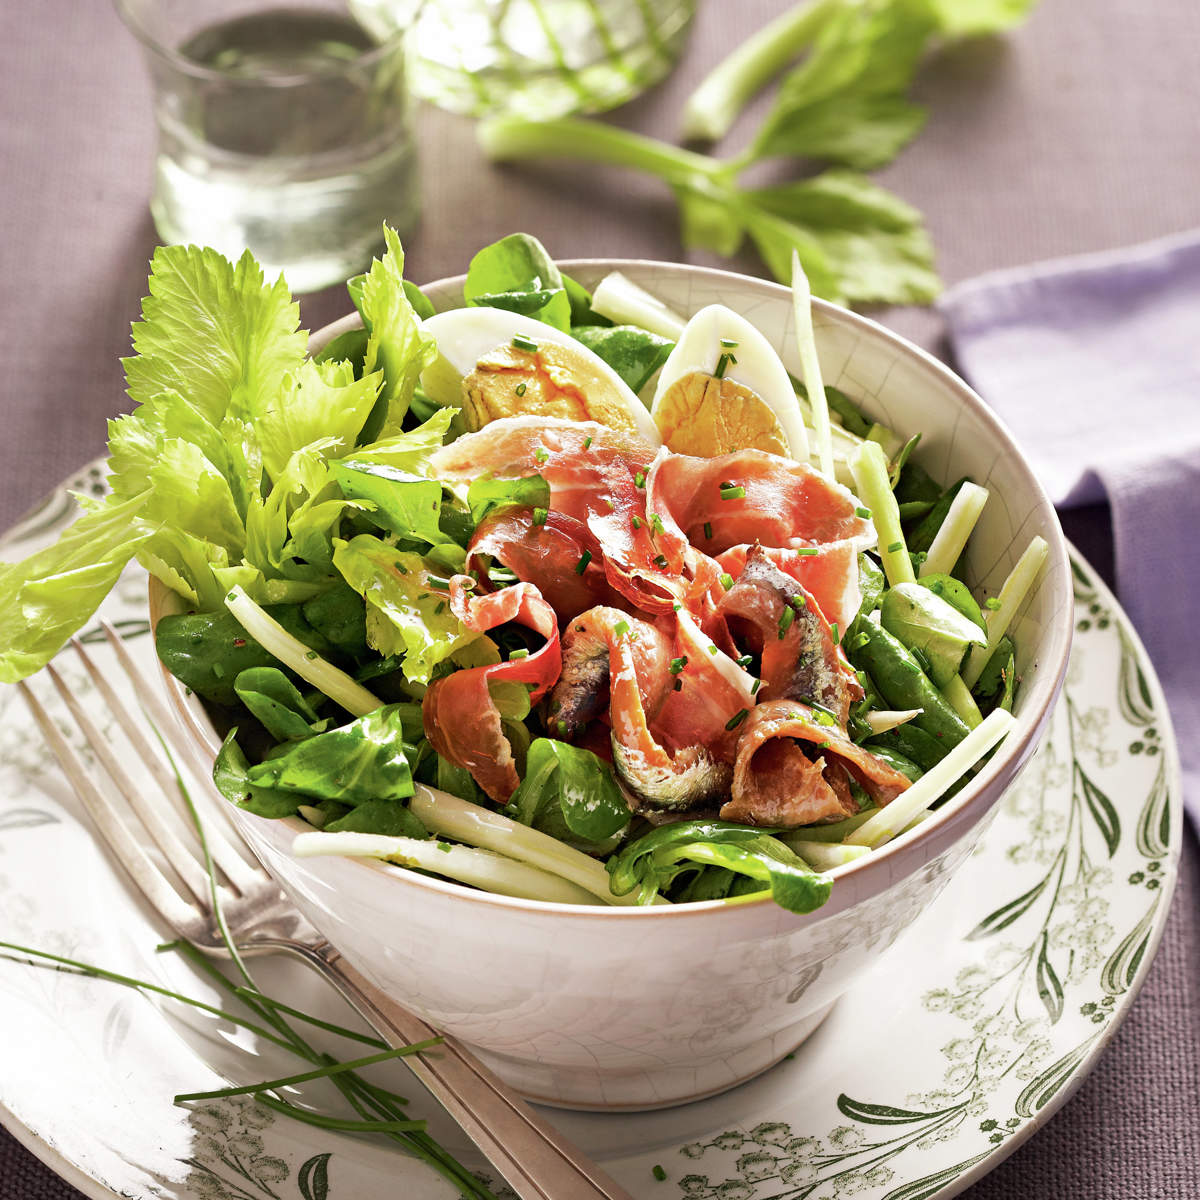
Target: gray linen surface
x,y
1076,134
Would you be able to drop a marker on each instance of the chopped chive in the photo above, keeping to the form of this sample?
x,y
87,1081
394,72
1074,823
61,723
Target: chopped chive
x,y
737,718
541,454
521,389
745,661
441,608
621,628
679,685
539,516
677,664
639,480
723,364
729,343
806,551
660,561
833,630
727,581
518,654
444,847
865,513
638,522
587,442
676,606
757,684
992,603
799,603
731,492
436,581
584,559
895,547
785,622
711,648
658,1172
656,523
708,530
523,342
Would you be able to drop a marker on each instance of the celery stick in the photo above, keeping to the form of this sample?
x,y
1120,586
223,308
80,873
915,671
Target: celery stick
x,y
1012,596
465,822
948,544
870,469
481,868
837,831
714,106
889,821
621,300
958,696
293,653
823,856
810,365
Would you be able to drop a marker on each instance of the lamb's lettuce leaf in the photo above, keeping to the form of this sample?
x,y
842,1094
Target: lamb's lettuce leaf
x,y
277,703
516,273
633,353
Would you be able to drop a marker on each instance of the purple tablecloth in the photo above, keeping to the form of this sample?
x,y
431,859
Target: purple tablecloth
x,y
1076,134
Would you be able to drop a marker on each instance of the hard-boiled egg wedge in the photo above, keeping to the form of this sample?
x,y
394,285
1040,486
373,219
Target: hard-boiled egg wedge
x,y
493,363
723,388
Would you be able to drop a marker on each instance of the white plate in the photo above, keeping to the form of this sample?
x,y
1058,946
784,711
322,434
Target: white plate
x,y
971,1032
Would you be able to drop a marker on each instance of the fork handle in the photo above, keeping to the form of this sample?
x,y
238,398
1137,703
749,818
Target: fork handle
x,y
534,1159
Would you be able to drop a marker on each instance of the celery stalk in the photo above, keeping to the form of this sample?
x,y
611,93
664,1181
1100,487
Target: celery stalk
x,y
960,520
622,301
293,653
823,856
919,796
810,365
869,466
1012,595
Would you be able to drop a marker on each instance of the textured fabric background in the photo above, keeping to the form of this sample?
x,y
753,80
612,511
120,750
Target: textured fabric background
x,y
1076,134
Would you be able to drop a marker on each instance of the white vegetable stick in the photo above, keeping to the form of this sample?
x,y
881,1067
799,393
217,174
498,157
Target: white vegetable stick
x,y
955,530
481,868
1012,595
623,301
870,469
466,822
292,652
917,798
824,856
882,719
810,365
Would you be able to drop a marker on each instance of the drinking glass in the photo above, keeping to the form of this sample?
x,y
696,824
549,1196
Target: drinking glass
x,y
285,129
537,58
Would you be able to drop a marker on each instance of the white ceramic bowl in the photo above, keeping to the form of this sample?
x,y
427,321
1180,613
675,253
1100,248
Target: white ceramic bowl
x,y
626,1008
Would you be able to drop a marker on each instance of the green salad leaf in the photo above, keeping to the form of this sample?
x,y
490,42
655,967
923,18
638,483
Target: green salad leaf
x,y
487,494
635,354
652,862
277,703
516,273
570,794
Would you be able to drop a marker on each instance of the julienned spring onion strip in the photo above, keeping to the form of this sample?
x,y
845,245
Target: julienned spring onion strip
x,y
713,107
823,856
882,719
810,367
1012,595
293,653
955,530
919,796
478,826
622,301
483,869
958,696
869,466
837,831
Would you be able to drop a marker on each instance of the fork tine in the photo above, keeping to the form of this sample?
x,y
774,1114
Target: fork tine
x,y
180,858
241,875
177,912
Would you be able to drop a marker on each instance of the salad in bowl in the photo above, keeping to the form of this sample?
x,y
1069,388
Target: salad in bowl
x,y
573,600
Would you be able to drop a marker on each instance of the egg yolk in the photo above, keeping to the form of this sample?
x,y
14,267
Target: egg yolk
x,y
551,381
705,416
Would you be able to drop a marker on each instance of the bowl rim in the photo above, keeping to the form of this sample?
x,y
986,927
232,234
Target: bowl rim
x,y
954,818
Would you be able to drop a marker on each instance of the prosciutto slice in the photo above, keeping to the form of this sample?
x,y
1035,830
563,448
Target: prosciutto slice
x,y
777,784
783,503
460,717
547,554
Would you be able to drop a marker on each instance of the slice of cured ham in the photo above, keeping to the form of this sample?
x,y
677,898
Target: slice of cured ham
x,y
777,784
460,717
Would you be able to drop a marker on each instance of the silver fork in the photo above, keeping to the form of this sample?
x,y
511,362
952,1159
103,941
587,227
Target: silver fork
x,y
533,1158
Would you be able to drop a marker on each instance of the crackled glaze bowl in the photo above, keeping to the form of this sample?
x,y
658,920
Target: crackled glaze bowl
x,y
620,1008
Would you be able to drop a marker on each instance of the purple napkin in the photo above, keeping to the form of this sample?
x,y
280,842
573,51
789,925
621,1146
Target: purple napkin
x,y
1094,363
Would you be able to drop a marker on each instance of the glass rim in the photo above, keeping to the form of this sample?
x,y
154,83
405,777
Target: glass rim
x,y
186,66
